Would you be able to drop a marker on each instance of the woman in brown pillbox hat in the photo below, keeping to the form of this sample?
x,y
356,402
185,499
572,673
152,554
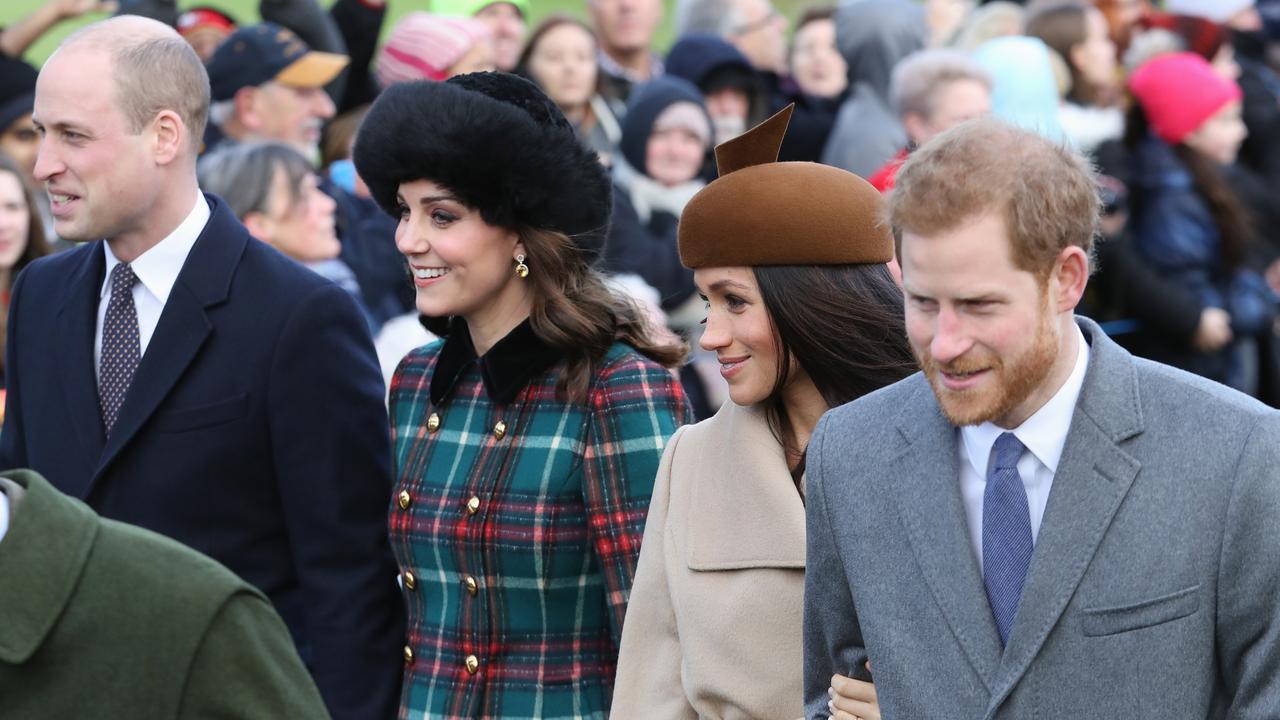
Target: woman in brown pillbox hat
x,y
804,315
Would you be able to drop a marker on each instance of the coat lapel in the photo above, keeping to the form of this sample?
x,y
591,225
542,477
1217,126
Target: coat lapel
x,y
750,514
74,331
41,560
927,482
204,281
1092,480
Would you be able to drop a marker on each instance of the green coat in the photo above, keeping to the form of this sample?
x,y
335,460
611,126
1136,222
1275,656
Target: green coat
x,y
105,620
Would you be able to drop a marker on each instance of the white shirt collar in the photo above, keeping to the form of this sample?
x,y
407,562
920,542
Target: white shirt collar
x,y
157,268
1045,432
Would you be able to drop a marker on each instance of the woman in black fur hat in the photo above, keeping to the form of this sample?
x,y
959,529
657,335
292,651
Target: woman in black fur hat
x,y
527,441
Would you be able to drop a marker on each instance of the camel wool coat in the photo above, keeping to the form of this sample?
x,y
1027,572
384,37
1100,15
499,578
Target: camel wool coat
x,y
713,627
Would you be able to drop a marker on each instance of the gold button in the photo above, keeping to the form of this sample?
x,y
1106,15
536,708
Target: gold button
x,y
500,429
408,654
404,500
410,582
473,664
473,505
472,586
433,423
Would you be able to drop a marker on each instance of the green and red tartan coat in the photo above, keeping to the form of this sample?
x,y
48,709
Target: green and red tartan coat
x,y
516,521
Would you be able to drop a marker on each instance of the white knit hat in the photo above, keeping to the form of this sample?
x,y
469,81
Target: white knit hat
x,y
1218,11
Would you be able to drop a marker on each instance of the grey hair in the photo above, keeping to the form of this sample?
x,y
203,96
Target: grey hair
x,y
154,70
242,174
1151,44
718,17
917,79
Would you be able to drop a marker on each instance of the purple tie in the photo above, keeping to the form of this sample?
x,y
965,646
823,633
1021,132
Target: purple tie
x,y
1006,533
120,345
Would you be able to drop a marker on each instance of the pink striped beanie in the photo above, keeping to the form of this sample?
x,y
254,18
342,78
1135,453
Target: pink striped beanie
x,y
423,46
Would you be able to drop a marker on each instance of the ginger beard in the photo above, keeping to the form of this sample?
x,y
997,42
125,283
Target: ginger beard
x,y
1011,380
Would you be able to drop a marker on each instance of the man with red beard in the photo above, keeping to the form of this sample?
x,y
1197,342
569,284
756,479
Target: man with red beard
x,y
1038,524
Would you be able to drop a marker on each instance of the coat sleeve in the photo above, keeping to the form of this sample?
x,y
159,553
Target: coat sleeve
x,y
1248,617
832,636
648,683
636,407
246,667
332,455
1177,237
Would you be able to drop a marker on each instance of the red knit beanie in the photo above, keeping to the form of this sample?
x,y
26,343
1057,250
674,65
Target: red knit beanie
x,y
1178,92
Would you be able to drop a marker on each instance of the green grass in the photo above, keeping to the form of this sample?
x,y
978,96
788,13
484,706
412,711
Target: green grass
x,y
246,10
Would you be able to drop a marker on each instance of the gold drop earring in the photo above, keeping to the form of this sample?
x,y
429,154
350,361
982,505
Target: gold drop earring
x,y
522,270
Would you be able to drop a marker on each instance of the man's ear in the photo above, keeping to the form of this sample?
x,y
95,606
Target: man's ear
x,y
169,136
245,102
915,125
1071,274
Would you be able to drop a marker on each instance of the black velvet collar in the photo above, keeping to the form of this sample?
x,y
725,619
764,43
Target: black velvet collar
x,y
505,369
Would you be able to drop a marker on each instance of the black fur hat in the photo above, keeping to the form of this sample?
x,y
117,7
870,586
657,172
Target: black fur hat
x,y
496,141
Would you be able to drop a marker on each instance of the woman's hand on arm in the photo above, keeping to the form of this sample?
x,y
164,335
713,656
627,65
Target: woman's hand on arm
x,y
853,699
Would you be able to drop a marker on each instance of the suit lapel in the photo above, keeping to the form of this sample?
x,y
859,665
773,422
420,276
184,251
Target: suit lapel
x,y
928,493
184,326
1093,478
73,332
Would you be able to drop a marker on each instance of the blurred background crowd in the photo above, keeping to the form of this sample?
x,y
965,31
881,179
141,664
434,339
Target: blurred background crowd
x,y
1177,103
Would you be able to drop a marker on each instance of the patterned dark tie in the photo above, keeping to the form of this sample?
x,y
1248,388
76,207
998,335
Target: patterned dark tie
x,y
1006,533
120,345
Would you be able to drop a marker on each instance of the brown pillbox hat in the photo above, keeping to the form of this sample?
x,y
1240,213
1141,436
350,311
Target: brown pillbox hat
x,y
763,212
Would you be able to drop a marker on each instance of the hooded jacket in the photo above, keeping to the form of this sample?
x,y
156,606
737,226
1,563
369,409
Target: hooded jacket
x,y
642,234
873,36
1175,231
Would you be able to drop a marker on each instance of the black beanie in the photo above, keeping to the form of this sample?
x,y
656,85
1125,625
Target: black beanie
x,y
496,141
646,104
17,90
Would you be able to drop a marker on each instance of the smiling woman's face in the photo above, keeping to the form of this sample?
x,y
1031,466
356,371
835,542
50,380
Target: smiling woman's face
x,y
739,331
461,264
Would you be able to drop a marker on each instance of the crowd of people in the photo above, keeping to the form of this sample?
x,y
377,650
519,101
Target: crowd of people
x,y
915,358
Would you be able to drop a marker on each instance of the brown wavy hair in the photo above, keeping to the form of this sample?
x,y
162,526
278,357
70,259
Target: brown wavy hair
x,y
37,247
576,313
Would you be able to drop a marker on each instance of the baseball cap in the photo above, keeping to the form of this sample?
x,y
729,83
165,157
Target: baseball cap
x,y
264,52
202,17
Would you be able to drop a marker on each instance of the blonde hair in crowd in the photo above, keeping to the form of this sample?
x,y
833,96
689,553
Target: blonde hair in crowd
x,y
1046,192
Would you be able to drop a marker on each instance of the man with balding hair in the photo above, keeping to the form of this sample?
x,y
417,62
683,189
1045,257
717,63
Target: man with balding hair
x,y
174,373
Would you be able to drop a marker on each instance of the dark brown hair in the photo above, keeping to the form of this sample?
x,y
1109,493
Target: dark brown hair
x,y
1232,219
336,139
37,246
814,14
1063,27
575,313
843,324
551,22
